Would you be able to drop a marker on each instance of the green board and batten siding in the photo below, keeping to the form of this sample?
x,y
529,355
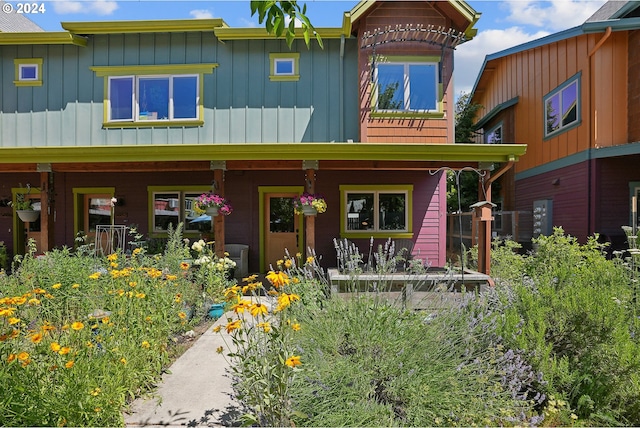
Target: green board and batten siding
x,y
241,105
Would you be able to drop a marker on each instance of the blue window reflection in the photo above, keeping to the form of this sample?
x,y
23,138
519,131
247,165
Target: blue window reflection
x,y
185,97
120,96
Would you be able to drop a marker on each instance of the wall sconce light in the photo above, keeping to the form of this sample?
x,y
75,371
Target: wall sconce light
x,y
556,182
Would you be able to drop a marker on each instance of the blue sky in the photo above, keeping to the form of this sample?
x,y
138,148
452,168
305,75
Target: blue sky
x,y
503,23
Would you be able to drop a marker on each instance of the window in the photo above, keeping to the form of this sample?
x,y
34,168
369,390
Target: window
x,y
159,98
562,107
28,71
382,211
494,136
284,66
153,95
407,85
170,206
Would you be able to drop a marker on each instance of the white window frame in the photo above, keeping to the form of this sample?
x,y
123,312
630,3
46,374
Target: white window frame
x,y
22,63
406,90
135,97
293,58
278,61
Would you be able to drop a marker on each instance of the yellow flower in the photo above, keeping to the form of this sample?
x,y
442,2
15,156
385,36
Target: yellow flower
x,y
64,350
112,257
293,361
233,325
23,356
285,299
137,251
77,325
171,277
258,309
14,320
48,327
145,344
184,265
95,392
310,260
182,315
241,306
69,364
20,300
55,346
219,349
39,291
278,279
280,262
123,360
250,278
94,275
132,284
76,285
141,295
288,263
265,326
217,328
295,327
36,338
56,286
34,302
231,292
113,265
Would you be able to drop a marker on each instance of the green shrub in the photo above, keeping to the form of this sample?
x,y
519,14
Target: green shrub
x,y
572,313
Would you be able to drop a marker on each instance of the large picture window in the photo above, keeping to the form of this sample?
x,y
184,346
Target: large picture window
x,y
406,85
143,98
562,107
382,210
153,95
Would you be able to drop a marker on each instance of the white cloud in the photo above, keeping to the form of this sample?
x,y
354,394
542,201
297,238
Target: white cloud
x,y
201,14
470,56
97,7
553,15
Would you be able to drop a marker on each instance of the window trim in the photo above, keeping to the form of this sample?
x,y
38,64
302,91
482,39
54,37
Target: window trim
x,y
437,113
181,190
19,64
577,78
290,77
376,189
138,71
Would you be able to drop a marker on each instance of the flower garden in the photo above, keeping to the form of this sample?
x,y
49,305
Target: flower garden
x,y
555,343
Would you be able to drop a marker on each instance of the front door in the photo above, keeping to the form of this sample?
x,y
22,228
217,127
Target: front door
x,y
282,230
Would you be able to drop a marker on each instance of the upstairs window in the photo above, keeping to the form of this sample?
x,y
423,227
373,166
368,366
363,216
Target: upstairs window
x,y
409,85
494,136
153,95
284,66
28,72
156,98
562,107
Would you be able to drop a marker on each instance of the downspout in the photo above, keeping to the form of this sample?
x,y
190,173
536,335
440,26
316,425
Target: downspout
x,y
341,88
592,129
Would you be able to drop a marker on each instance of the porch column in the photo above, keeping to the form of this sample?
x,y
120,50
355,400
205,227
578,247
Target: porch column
x,y
218,221
310,221
46,207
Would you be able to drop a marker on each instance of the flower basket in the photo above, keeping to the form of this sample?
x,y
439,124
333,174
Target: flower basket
x,y
209,201
28,215
309,204
309,210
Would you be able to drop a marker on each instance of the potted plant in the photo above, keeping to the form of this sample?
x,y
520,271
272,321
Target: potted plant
x,y
24,208
213,204
309,204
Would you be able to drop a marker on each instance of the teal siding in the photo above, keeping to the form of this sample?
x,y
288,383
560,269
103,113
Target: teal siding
x,y
241,104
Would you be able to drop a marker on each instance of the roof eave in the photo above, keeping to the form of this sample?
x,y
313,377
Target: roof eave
x,y
42,38
146,26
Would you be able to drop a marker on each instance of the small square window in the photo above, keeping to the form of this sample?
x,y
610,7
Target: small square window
x,y
284,66
28,71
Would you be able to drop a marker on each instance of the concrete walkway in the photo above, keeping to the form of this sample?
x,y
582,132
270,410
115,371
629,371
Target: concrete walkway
x,y
195,392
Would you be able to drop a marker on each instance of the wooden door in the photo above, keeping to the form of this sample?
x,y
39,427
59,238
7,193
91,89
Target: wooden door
x,y
281,227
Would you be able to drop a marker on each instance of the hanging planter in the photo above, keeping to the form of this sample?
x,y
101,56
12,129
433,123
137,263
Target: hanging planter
x,y
28,215
212,211
309,210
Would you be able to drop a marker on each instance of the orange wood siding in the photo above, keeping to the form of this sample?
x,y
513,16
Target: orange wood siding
x,y
633,101
404,130
534,73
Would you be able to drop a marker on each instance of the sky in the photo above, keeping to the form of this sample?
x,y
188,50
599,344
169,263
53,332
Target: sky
x,y
503,24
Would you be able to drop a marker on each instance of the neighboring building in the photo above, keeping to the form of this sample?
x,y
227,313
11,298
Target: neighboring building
x,y
156,112
15,21
573,98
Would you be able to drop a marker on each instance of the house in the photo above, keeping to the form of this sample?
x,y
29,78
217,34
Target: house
x,y
573,98
154,113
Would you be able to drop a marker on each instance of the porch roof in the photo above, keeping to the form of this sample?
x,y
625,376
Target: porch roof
x,y
329,155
